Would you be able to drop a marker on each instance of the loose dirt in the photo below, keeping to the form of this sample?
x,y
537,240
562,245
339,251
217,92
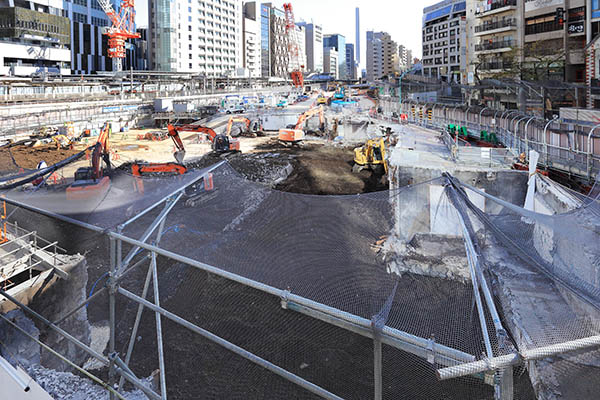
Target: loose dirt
x,y
317,168
26,157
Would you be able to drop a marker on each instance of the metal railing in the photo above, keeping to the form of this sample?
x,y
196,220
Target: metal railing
x,y
560,147
494,45
488,26
498,4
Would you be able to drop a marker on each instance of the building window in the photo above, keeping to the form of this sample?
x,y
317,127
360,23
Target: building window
x,y
81,18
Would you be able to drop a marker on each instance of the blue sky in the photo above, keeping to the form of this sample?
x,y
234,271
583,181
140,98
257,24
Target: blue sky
x,y
400,18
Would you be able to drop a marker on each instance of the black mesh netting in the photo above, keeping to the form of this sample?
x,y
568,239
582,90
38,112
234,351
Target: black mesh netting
x,y
399,255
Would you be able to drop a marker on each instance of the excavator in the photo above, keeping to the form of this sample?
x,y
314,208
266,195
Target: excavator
x,y
93,181
252,129
295,133
220,143
371,156
176,168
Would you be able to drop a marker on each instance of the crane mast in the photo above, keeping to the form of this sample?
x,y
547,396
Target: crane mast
x,y
294,67
122,28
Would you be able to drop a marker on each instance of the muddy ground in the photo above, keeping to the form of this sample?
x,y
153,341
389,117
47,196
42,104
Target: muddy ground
x,y
318,168
26,157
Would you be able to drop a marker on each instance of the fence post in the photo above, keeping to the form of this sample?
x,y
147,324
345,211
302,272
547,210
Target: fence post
x,y
377,367
111,307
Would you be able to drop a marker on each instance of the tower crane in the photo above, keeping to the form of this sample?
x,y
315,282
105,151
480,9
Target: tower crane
x,y
122,28
294,66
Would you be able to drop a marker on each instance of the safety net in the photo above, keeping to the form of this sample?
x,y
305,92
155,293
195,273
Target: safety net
x,y
310,283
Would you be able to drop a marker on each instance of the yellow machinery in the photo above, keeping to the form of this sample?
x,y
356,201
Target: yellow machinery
x,y
295,133
371,156
321,99
62,142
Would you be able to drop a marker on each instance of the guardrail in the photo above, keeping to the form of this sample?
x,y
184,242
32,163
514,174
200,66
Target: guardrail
x,y
565,147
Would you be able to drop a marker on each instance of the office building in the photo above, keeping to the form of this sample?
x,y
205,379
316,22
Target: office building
x,y
301,38
443,37
350,61
404,58
89,47
381,55
357,37
35,39
251,35
313,34
338,42
203,37
331,62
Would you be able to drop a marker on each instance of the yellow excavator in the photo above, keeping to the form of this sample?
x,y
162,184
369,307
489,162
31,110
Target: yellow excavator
x,y
371,156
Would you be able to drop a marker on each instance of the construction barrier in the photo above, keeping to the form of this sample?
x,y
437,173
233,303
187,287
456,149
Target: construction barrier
x,y
3,234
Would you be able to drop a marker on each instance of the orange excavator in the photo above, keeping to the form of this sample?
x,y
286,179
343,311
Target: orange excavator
x,y
251,130
220,143
93,181
168,168
295,133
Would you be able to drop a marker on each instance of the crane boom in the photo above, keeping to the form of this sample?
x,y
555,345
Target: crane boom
x,y
122,28
294,66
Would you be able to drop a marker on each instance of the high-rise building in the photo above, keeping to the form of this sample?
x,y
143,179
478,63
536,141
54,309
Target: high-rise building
x,y
350,61
443,37
265,41
251,39
301,38
404,57
314,46
203,37
331,62
280,57
34,38
357,36
89,47
381,55
338,42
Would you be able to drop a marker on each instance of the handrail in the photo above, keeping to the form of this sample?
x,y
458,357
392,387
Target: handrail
x,y
589,152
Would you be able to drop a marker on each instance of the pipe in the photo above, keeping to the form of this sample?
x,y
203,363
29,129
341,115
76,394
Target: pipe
x,y
400,335
517,128
501,362
480,113
232,347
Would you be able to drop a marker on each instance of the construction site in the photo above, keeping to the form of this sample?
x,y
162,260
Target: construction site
x,y
193,238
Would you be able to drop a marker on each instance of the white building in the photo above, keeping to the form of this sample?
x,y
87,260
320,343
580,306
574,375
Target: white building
x,y
301,36
89,47
331,62
35,39
251,39
382,57
203,37
314,46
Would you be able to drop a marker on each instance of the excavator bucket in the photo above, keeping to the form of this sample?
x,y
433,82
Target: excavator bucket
x,y
179,156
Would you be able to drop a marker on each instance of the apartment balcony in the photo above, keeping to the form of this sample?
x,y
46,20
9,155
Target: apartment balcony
x,y
494,47
497,7
491,28
495,66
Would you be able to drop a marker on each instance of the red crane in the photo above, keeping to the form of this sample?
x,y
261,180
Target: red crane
x,y
294,49
123,28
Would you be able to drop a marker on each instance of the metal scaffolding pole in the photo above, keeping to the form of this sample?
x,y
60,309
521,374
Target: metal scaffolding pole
x,y
232,347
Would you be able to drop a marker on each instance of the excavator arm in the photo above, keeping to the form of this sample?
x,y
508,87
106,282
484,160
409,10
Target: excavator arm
x,y
233,119
180,152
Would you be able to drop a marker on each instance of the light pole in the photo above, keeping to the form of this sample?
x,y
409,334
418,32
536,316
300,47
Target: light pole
x,y
480,113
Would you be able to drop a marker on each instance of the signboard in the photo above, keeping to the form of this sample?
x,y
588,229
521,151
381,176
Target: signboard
x,y
576,27
537,4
